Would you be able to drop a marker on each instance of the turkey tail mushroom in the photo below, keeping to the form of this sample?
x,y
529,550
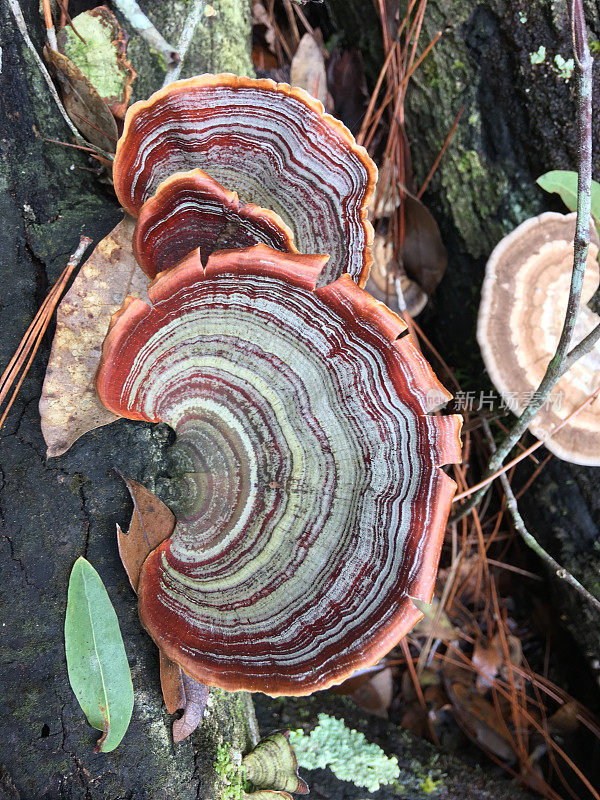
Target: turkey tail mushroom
x,y
271,143
315,503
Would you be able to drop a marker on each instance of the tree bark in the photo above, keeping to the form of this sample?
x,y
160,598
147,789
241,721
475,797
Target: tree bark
x,y
56,510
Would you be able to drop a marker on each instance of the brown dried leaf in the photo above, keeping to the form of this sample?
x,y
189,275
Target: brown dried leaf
x,y
171,682
481,721
423,253
194,705
565,719
376,693
69,405
487,661
151,523
308,68
86,109
382,280
348,86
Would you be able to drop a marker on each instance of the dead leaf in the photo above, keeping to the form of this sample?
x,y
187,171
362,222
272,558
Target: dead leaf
x,y
86,109
69,405
171,682
375,693
92,61
194,705
348,86
423,254
382,280
487,661
151,523
308,68
481,721
565,719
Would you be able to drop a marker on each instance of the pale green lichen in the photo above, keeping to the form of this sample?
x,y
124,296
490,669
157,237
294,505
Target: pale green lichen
x,y
96,57
348,753
539,56
563,68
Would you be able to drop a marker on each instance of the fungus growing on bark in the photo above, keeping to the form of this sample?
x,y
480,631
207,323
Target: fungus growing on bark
x,y
191,210
523,306
272,144
315,503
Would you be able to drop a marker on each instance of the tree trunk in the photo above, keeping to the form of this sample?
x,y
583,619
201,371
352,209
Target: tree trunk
x,y
56,510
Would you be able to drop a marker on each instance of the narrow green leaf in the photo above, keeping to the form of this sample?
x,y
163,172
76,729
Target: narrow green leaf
x,y
96,659
564,183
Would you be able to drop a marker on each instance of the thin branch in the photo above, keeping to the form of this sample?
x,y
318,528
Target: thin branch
x,y
558,363
440,155
530,540
485,483
147,30
18,15
197,10
585,346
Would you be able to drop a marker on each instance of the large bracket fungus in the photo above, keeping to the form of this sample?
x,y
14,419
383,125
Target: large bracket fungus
x,y
316,506
271,143
314,501
523,305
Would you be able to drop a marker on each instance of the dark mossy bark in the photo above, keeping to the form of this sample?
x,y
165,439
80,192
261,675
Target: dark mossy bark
x,y
53,511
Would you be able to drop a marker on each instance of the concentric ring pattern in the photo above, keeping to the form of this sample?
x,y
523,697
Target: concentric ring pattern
x,y
317,505
189,211
272,144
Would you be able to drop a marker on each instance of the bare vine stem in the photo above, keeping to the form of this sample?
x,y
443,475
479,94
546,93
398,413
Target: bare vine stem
x,y
529,539
562,359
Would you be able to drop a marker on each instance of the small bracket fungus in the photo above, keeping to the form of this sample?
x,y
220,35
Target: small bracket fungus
x,y
315,503
191,210
523,306
271,143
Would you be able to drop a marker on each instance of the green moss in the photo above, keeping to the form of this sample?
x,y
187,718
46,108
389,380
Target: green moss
x,y
96,57
431,784
233,784
474,192
349,755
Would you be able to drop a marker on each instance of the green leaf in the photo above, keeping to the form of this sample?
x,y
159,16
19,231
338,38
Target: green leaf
x,y
96,660
564,183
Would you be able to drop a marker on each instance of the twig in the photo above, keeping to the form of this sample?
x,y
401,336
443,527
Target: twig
x,y
145,27
562,359
50,32
198,9
529,539
585,346
292,20
440,155
25,353
18,15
